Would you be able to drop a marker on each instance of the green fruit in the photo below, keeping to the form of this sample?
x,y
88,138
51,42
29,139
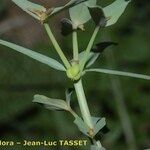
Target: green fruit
x,y
73,72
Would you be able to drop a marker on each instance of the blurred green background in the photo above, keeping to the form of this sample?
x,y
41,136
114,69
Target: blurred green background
x,y
125,102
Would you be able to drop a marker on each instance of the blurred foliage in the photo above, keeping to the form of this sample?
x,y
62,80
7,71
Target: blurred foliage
x,y
21,78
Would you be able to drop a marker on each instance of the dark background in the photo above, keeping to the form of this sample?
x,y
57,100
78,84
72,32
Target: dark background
x,y
22,77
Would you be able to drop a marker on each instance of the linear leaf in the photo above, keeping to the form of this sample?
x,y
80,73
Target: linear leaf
x,y
115,10
50,103
119,73
91,58
37,56
95,53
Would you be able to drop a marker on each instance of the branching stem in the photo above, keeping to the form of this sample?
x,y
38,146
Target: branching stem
x,y
56,46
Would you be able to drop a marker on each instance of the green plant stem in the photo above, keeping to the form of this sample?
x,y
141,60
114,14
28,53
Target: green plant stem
x,y
56,46
85,109
89,47
83,104
75,46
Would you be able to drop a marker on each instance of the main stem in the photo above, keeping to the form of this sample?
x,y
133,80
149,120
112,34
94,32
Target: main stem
x,y
56,46
85,109
78,86
83,104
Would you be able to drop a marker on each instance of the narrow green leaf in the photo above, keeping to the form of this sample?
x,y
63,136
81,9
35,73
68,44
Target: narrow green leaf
x,y
120,73
37,56
91,58
50,103
81,125
114,11
95,53
31,8
80,14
